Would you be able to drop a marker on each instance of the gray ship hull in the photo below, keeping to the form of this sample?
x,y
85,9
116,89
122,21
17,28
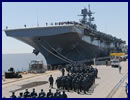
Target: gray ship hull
x,y
64,43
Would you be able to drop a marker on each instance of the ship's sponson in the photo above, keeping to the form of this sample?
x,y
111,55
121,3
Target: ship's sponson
x,y
53,30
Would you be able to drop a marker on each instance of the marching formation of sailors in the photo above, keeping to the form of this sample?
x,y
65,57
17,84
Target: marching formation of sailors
x,y
42,94
80,77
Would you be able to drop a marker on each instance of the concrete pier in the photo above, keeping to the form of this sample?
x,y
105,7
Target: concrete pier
x,y
109,84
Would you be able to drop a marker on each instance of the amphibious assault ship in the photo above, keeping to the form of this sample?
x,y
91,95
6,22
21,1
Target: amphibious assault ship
x,y
70,41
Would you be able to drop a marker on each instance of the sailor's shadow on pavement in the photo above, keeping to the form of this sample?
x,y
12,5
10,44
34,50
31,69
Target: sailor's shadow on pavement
x,y
30,85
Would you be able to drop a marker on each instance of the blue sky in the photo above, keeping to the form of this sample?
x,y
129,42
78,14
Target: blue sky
x,y
110,17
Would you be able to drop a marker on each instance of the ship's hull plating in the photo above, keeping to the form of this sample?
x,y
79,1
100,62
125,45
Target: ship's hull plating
x,y
69,45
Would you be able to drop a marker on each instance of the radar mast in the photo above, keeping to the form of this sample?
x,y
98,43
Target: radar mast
x,y
87,21
90,15
84,13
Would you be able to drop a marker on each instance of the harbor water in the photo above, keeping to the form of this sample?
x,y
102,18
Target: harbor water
x,y
20,62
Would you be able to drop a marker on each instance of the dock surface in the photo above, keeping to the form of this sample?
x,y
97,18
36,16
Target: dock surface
x,y
109,84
